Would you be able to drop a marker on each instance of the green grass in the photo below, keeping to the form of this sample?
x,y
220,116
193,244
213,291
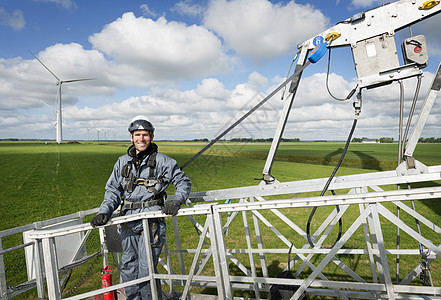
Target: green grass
x,y
379,157
41,181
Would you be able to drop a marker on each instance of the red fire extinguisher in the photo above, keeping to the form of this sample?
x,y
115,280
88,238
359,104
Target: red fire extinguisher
x,y
106,280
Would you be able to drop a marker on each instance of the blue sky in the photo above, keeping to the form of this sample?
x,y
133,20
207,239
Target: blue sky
x,y
192,67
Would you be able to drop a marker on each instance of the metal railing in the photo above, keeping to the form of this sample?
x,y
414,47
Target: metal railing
x,y
6,291
237,239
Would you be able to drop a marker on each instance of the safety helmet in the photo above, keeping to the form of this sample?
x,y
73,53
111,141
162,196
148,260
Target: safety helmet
x,y
140,123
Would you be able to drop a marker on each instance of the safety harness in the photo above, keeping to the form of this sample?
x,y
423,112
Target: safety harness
x,y
158,197
131,181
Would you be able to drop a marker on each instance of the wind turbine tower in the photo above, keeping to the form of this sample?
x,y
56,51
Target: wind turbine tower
x,y
59,103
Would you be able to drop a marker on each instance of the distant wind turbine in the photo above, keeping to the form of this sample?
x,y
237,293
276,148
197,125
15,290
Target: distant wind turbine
x,y
59,110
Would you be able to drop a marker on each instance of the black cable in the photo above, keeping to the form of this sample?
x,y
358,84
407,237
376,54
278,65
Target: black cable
x,y
325,188
351,93
67,280
340,223
84,277
80,262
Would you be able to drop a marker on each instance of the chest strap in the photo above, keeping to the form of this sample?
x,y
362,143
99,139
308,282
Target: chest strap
x,y
131,180
151,163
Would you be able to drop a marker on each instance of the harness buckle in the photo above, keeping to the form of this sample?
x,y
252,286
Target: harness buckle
x,y
147,182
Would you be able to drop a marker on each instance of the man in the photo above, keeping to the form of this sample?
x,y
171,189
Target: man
x,y
138,183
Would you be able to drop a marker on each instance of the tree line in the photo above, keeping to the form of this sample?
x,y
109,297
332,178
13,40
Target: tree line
x,y
429,140
250,140
391,140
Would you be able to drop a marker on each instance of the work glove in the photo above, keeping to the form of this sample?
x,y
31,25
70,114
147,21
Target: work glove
x,y
99,219
171,207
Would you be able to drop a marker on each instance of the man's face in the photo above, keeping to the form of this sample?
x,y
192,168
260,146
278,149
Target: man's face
x,y
141,139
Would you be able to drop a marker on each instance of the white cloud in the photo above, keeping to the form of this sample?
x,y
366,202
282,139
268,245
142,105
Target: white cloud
x,y
365,3
259,29
188,8
15,20
26,84
257,81
179,114
327,111
66,4
211,88
72,61
146,11
209,96
312,90
161,50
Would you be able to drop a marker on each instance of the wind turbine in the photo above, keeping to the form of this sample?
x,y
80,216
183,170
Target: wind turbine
x,y
59,104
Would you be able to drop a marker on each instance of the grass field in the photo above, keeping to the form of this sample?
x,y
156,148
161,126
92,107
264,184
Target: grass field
x,y
42,181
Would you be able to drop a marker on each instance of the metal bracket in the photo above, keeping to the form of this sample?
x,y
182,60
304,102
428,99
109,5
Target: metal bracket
x,y
411,166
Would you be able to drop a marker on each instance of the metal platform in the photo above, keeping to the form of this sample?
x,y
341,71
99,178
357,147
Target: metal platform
x,y
254,218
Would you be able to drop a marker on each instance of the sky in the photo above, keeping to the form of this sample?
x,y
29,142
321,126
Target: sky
x,y
192,68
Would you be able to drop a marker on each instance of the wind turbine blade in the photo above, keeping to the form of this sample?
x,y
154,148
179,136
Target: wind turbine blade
x,y
75,80
45,66
48,105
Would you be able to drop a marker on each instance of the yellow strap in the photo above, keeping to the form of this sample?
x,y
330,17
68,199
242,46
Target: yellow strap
x,y
428,5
